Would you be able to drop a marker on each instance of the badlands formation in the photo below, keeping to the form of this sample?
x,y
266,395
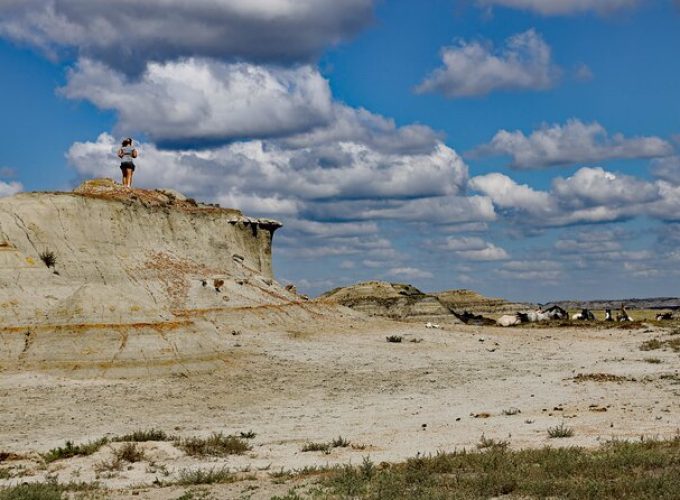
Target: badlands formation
x,y
157,312
141,280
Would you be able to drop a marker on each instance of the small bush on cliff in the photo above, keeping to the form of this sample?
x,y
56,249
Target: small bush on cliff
x,y
48,258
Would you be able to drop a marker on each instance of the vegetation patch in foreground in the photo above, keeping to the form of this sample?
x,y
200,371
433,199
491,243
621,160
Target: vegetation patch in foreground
x,y
616,470
50,490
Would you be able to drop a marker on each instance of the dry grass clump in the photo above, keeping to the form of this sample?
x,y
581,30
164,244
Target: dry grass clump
x,y
141,436
560,431
614,471
129,452
654,344
395,339
601,377
511,411
215,445
71,450
213,476
325,447
338,442
490,443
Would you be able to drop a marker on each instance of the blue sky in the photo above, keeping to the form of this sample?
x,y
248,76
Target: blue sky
x,y
522,148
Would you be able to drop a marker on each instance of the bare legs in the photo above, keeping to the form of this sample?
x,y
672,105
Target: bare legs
x,y
127,177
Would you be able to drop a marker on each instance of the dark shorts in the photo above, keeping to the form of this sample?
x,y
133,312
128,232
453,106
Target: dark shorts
x,y
127,164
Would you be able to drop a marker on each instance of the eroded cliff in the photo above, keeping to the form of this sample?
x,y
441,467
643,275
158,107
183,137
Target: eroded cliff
x,y
106,276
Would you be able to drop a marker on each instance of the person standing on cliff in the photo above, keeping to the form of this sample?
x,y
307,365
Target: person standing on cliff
x,y
127,153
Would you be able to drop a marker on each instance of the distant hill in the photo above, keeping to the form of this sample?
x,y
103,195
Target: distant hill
x,y
468,300
392,300
649,303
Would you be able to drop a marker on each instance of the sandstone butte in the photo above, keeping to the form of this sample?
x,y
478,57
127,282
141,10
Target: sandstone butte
x,y
142,280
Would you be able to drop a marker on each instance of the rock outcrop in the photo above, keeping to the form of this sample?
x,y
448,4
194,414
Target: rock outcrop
x,y
392,300
468,300
106,276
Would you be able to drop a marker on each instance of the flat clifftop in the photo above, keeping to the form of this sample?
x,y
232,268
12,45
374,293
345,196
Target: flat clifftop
x,y
109,259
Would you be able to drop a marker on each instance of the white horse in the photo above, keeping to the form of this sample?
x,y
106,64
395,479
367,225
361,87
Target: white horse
x,y
509,320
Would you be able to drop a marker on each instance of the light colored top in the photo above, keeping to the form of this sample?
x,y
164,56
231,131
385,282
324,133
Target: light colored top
x,y
127,154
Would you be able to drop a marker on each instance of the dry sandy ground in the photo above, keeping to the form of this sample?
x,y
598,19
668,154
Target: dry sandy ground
x,y
390,400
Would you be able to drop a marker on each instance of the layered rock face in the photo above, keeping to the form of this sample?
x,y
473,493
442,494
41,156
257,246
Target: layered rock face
x,y
392,300
106,274
468,300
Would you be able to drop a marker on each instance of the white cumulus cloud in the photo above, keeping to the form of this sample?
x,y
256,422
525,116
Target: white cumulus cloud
x,y
475,68
409,273
591,195
265,177
561,7
574,142
204,100
127,33
474,248
595,186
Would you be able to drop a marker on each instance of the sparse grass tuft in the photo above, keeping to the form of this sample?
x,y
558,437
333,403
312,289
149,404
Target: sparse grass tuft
x,y
651,345
248,435
511,411
141,436
48,258
654,344
190,477
340,442
129,452
560,431
5,474
396,339
216,445
71,450
601,377
654,361
490,443
325,447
